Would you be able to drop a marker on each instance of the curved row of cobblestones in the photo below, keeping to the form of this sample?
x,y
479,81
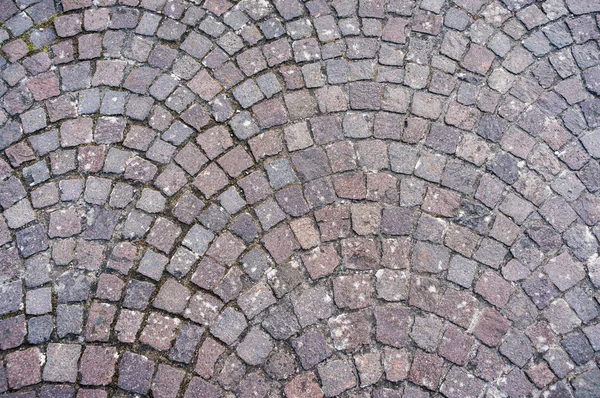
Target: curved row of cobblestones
x,y
255,198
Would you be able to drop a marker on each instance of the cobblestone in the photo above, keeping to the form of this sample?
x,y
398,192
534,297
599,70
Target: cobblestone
x,y
256,198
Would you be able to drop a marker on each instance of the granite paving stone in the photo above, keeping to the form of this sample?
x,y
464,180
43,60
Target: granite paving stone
x,y
261,198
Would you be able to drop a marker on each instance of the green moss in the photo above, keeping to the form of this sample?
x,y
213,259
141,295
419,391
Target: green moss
x,y
25,38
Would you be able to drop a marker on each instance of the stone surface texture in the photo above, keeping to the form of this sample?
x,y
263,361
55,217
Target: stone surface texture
x,y
300,198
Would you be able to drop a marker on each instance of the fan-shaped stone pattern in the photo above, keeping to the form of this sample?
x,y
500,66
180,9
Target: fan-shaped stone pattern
x,y
322,198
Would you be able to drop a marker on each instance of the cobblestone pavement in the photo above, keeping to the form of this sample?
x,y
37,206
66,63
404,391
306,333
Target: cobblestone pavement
x,y
269,198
